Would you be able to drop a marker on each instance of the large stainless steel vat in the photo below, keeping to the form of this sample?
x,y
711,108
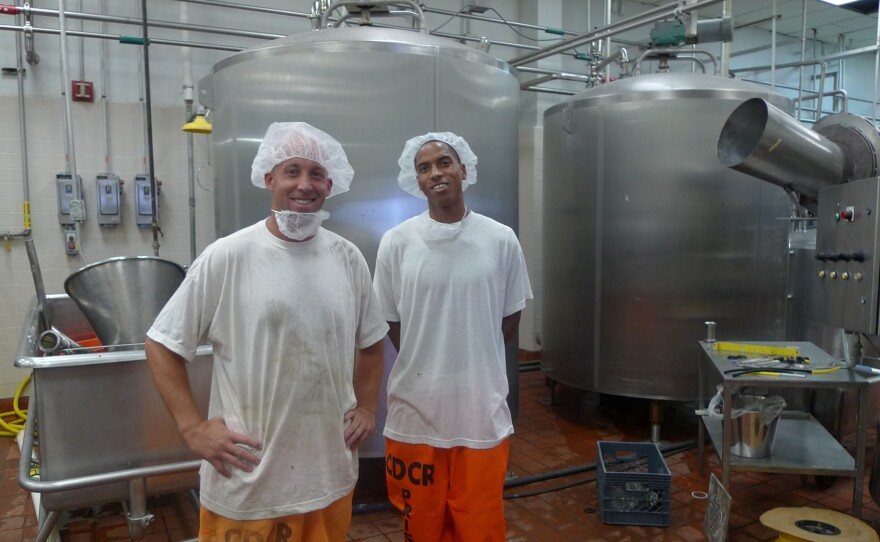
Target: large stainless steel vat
x,y
646,236
99,413
372,89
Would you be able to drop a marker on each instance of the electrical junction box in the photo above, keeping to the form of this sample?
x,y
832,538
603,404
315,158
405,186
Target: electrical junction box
x,y
70,211
143,200
109,203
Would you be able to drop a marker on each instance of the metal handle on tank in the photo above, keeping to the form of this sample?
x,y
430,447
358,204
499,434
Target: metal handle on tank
x,y
325,17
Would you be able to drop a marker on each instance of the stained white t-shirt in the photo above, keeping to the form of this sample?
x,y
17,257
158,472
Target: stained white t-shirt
x,y
284,320
449,286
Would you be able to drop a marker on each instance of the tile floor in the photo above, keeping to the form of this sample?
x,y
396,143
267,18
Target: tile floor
x,y
548,438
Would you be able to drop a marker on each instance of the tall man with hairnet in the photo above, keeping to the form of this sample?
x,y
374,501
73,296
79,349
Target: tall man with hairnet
x,y
452,284
286,305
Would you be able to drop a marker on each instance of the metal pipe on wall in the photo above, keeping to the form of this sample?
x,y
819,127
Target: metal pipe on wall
x,y
105,119
823,69
803,57
22,134
120,38
158,24
876,68
154,200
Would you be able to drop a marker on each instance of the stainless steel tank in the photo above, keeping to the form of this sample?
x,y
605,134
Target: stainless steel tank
x,y
646,236
372,89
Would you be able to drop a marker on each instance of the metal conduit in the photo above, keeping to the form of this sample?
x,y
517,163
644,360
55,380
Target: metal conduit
x,y
636,21
22,131
248,7
823,68
154,200
120,37
157,24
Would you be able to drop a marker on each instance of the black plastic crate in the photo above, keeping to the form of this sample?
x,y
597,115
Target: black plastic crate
x,y
633,484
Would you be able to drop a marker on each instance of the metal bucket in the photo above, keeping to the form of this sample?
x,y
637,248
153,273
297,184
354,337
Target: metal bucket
x,y
121,297
752,435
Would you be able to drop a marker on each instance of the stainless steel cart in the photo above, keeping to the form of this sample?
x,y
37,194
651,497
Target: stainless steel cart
x,y
803,445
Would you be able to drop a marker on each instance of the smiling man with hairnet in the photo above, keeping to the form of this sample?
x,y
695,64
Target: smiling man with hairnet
x,y
451,283
286,305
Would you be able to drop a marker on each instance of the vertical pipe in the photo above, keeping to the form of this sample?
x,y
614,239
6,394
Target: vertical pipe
x,y
104,116
22,130
67,103
725,47
608,39
773,50
190,158
82,45
137,506
800,103
149,122
821,84
876,68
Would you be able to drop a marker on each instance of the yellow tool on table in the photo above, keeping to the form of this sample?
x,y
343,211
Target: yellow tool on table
x,y
758,349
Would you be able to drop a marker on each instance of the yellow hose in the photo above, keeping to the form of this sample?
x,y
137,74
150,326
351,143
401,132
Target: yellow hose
x,y
15,426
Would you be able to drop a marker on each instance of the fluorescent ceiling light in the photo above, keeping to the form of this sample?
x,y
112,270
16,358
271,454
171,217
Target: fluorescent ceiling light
x,y
838,2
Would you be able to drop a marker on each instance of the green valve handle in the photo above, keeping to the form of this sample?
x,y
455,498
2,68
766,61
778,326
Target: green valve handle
x,y
557,31
132,40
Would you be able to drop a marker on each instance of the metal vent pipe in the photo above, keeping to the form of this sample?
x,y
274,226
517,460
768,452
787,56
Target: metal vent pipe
x,y
763,141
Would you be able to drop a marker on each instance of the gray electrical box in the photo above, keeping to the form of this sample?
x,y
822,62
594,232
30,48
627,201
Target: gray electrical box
x,y
143,200
109,189
70,211
846,247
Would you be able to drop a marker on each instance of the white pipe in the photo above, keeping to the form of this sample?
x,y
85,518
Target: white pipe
x,y
67,103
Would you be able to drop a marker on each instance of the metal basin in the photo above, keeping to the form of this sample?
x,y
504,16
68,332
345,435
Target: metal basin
x,y
121,297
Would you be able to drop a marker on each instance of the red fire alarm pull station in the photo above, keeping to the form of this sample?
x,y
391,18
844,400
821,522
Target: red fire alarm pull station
x,y
82,91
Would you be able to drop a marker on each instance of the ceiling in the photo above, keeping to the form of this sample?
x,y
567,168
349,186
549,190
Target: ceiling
x,y
857,23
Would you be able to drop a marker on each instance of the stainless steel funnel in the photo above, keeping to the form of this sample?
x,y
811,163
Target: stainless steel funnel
x,y
765,142
122,296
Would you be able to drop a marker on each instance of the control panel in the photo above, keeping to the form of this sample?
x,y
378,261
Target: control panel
x,y
143,200
70,210
846,247
109,189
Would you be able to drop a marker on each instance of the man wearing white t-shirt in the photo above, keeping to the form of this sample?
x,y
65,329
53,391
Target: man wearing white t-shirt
x,y
452,284
285,305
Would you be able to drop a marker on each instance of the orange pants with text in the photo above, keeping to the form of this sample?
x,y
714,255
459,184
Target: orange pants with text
x,y
329,524
447,495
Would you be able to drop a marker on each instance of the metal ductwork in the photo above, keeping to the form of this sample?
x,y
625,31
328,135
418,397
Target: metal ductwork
x,y
763,141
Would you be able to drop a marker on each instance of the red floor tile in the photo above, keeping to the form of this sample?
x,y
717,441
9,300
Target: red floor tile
x,y
548,438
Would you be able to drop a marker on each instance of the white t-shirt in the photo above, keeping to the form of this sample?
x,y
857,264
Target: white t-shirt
x,y
449,286
284,320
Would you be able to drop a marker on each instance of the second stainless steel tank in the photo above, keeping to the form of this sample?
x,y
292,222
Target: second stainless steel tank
x,y
372,89
646,236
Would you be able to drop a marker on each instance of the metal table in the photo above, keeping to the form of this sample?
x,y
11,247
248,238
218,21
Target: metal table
x,y
803,445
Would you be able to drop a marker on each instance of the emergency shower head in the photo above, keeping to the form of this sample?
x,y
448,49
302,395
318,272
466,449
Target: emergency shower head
x,y
198,125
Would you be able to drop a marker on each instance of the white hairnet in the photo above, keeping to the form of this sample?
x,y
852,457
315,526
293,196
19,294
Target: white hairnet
x,y
407,178
286,140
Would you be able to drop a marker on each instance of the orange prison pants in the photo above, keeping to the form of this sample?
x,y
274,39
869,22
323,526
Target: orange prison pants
x,y
447,495
329,524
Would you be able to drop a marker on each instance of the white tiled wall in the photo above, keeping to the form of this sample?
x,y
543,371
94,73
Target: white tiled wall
x,y
44,122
